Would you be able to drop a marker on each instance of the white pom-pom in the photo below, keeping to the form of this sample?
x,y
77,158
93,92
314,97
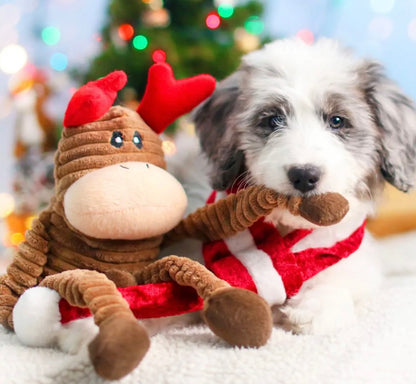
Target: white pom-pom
x,y
36,317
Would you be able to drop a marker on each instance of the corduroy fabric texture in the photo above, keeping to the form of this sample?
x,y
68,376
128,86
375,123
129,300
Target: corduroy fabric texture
x,y
80,287
240,210
58,256
52,245
184,272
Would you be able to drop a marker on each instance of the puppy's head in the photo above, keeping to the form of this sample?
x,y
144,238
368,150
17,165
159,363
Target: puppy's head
x,y
307,119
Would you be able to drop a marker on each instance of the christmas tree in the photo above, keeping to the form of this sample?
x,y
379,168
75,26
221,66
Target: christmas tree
x,y
196,36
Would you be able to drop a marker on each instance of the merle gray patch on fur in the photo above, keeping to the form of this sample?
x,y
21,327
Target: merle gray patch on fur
x,y
395,116
212,120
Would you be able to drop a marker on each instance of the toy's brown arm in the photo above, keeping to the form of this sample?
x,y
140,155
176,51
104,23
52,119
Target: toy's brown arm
x,y
25,270
238,211
227,216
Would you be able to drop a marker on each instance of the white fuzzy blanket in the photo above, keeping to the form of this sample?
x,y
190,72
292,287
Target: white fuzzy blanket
x,y
379,349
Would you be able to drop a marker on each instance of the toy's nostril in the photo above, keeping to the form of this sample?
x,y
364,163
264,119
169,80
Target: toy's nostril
x,y
123,166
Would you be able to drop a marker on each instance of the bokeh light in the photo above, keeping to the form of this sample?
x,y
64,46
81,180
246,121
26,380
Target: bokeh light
x,y
217,3
380,28
29,222
306,35
17,238
169,147
51,35
411,29
6,106
382,6
246,42
339,3
254,25
6,204
159,55
125,31
213,20
140,42
225,10
10,15
59,61
156,5
13,58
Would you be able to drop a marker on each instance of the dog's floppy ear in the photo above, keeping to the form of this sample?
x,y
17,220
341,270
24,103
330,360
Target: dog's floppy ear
x,y
213,120
395,116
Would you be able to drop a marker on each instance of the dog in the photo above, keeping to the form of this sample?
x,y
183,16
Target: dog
x,y
307,119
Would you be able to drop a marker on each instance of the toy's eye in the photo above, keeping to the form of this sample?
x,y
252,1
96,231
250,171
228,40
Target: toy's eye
x,y
137,140
336,122
117,139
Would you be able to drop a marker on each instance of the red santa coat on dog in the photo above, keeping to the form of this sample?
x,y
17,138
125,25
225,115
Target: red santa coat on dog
x,y
261,260
258,259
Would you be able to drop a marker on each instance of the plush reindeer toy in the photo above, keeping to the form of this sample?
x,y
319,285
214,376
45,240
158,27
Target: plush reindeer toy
x,y
95,245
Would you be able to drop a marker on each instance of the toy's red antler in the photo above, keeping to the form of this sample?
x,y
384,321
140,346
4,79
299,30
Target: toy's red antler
x,y
165,99
94,99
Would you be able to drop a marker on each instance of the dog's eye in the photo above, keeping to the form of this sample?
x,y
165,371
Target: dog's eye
x,y
137,140
336,122
117,139
277,121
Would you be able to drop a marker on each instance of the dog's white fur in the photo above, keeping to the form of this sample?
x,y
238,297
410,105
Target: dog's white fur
x,y
380,142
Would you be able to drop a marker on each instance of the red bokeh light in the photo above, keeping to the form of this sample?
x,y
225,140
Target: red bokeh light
x,y
306,35
125,31
213,20
159,55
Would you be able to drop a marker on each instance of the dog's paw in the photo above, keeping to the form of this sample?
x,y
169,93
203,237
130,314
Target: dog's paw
x,y
318,312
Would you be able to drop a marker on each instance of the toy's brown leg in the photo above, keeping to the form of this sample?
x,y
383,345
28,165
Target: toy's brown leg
x,y
7,303
238,316
122,341
25,270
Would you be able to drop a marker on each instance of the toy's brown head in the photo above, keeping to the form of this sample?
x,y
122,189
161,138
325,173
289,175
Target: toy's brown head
x,y
110,172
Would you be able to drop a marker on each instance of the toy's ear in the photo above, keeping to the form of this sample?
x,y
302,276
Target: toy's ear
x,y
94,99
395,116
165,99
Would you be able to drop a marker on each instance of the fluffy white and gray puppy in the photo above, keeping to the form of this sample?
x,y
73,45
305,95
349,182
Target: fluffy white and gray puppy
x,y
307,119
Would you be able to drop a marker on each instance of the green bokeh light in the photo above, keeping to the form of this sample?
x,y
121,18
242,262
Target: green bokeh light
x,y
338,3
225,10
51,35
140,42
254,25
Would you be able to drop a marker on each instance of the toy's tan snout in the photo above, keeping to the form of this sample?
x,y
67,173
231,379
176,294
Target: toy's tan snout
x,y
126,201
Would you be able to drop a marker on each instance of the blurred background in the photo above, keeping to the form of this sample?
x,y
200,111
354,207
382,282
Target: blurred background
x,y
49,47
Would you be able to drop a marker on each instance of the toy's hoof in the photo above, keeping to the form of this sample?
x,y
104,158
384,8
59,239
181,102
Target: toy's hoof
x,y
238,316
119,347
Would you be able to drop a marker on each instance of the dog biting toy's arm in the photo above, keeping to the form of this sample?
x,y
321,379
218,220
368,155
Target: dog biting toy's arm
x,y
240,210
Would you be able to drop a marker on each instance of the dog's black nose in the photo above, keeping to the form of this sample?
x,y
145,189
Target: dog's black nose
x,y
304,177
